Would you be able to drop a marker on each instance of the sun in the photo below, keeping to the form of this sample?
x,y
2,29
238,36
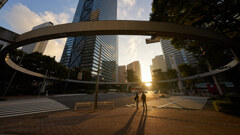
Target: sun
x,y
146,76
148,84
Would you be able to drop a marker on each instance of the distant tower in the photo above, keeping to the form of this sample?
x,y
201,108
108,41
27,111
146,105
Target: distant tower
x,y
39,46
158,62
83,51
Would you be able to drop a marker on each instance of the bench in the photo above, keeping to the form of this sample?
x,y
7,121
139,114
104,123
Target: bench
x,y
83,104
91,104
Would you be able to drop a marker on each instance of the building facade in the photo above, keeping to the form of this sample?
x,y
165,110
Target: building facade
x,y
39,46
122,74
174,57
136,68
158,62
83,51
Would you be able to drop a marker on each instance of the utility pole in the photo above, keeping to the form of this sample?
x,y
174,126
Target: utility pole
x,y
67,80
43,84
10,82
234,54
97,81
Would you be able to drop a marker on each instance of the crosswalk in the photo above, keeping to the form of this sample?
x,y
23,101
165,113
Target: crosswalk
x,y
29,106
177,102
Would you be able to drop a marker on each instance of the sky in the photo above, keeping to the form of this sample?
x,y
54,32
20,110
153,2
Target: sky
x,y
21,15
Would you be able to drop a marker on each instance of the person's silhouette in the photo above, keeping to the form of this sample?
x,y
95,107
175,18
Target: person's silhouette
x,y
137,100
143,97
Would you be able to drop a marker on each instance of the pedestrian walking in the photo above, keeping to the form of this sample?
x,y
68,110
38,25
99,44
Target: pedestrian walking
x,y
143,97
136,98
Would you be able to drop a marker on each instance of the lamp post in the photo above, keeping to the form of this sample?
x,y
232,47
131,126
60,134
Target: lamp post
x,y
10,82
97,80
213,76
67,80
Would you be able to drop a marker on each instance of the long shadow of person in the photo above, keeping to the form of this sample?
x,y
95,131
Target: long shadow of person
x,y
141,126
126,128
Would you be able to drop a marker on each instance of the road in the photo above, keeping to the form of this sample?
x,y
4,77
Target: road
x,y
65,102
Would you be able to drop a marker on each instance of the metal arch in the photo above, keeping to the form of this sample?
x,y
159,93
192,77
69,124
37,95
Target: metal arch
x,y
115,27
111,28
224,68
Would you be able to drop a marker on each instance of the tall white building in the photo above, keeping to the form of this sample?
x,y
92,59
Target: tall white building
x,y
39,46
158,62
136,68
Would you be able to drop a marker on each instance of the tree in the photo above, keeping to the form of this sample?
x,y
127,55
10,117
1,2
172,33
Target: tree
x,y
216,15
36,62
132,77
158,75
187,70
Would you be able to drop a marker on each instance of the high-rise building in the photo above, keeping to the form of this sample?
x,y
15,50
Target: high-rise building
x,y
177,56
136,68
83,51
122,74
39,46
158,63
2,3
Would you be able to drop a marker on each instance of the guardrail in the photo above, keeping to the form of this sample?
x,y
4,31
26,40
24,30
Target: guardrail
x,y
90,104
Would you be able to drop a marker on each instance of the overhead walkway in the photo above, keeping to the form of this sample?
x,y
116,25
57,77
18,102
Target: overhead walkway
x,y
224,68
112,27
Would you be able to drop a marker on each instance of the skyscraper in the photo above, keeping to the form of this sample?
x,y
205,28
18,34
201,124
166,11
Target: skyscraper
x,y
136,68
122,74
174,57
158,62
39,46
83,51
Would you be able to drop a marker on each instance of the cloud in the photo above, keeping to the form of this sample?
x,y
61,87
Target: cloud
x,y
139,13
54,18
22,19
55,48
129,2
72,10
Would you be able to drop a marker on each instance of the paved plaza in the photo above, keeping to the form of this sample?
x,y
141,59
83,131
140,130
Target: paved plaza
x,y
177,115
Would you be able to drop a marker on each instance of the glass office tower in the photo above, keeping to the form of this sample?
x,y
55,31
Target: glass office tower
x,y
83,51
180,56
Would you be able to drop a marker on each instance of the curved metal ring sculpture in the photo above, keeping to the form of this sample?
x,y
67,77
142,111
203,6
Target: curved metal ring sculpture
x,y
112,28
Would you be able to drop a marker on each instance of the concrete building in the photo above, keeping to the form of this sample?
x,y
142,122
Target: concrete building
x,y
2,3
122,74
158,62
83,51
135,66
174,57
39,46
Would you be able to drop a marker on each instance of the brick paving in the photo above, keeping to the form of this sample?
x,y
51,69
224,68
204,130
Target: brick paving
x,y
121,121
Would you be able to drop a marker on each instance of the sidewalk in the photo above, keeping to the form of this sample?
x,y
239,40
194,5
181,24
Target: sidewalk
x,y
122,121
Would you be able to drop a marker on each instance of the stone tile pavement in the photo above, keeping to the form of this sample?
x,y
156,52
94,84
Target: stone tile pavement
x,y
120,121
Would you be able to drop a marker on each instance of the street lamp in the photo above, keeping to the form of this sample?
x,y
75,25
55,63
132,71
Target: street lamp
x,y
10,82
97,80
